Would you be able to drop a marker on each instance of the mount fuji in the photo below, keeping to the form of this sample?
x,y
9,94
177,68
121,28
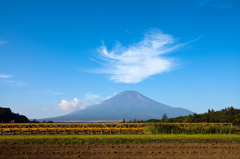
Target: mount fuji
x,y
126,105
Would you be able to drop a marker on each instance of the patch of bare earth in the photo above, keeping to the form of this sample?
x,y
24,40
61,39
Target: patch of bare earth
x,y
120,151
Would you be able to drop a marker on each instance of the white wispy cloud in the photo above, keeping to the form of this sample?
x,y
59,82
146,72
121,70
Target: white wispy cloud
x,y
75,104
108,97
90,96
136,62
7,79
5,76
15,83
44,108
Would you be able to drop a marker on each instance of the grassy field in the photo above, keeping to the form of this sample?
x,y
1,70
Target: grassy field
x,y
170,136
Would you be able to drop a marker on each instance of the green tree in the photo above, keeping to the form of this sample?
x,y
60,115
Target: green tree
x,y
35,121
164,117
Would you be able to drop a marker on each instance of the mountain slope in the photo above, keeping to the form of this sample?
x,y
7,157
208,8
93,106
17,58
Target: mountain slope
x,y
126,105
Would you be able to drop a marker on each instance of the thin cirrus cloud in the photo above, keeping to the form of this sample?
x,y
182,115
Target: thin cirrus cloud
x,y
5,76
16,83
90,96
138,61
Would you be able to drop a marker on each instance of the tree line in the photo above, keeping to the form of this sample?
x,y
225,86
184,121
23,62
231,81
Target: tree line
x,y
227,115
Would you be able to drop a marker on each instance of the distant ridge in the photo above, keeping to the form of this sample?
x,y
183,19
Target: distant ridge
x,y
125,105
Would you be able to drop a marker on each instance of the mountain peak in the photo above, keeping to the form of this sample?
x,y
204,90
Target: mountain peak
x,y
129,91
128,96
128,104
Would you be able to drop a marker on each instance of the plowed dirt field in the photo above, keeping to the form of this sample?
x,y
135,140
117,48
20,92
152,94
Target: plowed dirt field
x,y
120,151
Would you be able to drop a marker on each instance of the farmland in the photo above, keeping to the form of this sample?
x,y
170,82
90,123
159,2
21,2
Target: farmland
x,y
126,141
119,146
162,150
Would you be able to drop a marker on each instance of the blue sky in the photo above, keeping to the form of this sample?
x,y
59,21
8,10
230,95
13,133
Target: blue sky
x,y
61,56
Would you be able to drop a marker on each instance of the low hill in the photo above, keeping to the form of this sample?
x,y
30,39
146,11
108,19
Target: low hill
x,y
7,116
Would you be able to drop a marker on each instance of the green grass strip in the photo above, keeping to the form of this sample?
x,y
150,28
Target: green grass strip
x,y
170,136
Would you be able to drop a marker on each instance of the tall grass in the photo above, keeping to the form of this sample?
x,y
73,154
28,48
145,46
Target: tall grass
x,y
198,129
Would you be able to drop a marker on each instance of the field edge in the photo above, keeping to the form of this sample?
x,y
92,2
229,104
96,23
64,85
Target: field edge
x,y
162,136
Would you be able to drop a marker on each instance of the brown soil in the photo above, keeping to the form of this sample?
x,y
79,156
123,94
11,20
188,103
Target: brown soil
x,y
118,151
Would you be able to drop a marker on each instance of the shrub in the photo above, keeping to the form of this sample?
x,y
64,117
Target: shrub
x,y
196,129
